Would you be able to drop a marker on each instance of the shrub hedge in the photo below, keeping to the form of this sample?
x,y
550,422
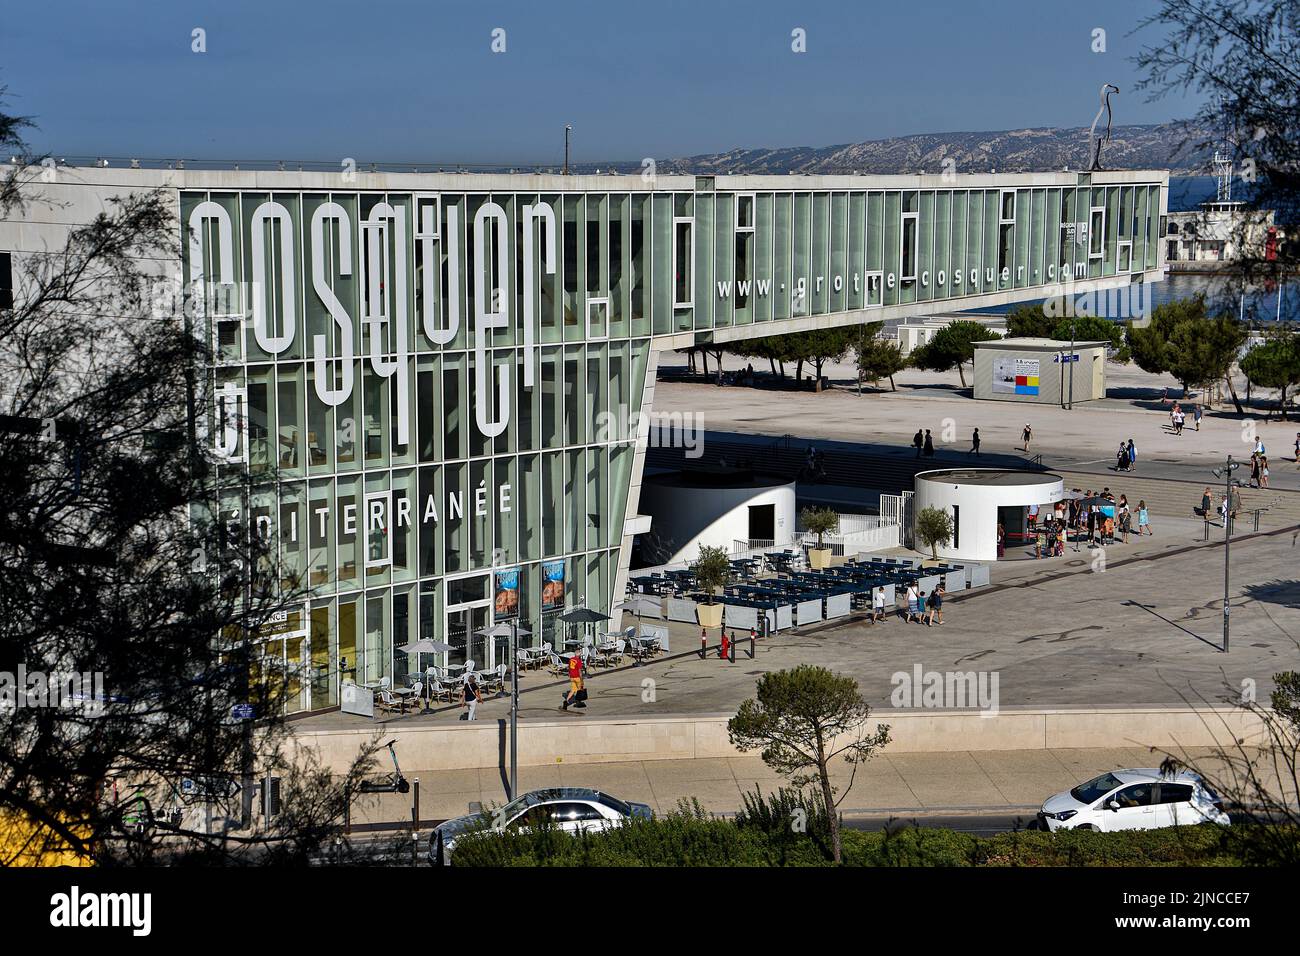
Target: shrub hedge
x,y
765,834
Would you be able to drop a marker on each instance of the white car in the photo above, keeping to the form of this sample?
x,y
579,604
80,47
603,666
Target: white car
x,y
1143,799
572,809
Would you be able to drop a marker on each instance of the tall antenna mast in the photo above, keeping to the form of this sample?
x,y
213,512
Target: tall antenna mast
x,y
1223,161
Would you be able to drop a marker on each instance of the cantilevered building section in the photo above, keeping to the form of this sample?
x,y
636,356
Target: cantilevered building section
x,y
434,381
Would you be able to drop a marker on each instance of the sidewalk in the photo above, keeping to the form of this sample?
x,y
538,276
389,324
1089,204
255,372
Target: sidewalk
x,y
1007,781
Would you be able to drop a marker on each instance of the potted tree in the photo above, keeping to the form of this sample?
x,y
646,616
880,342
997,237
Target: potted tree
x,y
820,521
933,528
712,570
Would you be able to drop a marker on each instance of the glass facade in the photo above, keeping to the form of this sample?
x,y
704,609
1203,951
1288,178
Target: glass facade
x,y
428,400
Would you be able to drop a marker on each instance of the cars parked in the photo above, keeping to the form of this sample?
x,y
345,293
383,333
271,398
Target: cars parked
x,y
572,809
1140,799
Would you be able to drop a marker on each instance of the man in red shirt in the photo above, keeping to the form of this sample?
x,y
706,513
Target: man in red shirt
x,y
575,682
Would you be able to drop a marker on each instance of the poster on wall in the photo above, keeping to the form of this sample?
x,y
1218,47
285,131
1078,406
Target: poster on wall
x,y
552,585
505,597
1015,376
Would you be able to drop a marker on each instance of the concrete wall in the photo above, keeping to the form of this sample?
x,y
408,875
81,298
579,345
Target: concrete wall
x,y
484,745
686,517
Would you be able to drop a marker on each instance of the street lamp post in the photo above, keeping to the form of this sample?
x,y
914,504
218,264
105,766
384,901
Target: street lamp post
x,y
512,630
567,130
1228,482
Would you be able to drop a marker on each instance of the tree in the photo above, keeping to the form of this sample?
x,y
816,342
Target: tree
x,y
1092,328
712,570
934,528
1182,340
878,358
115,586
1030,322
803,719
820,521
1256,778
819,346
952,347
1274,363
1238,60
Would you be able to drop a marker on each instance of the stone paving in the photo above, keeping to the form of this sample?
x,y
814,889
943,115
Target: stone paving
x,y
1058,632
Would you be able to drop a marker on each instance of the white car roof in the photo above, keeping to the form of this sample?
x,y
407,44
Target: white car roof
x,y
1154,774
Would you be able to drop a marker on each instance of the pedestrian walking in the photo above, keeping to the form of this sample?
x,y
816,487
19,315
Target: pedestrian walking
x,y
1033,517
878,605
577,694
934,607
1125,517
1297,448
1196,416
470,695
1121,458
913,603
1263,471
725,646
1027,435
1132,456
920,608
1207,503
929,444
975,443
1002,541
918,442
1144,519
1254,470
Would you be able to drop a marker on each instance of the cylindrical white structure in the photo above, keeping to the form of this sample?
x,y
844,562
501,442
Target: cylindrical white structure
x,y
690,509
972,496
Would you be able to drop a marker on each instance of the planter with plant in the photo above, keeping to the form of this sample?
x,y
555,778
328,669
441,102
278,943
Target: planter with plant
x,y
821,522
712,571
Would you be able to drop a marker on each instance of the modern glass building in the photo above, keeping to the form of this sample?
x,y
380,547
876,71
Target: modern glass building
x,y
428,386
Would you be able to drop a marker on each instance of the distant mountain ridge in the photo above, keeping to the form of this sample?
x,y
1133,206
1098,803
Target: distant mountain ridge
x,y
1169,146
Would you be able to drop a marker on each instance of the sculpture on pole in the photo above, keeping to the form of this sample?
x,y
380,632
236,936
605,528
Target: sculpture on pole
x,y
1094,141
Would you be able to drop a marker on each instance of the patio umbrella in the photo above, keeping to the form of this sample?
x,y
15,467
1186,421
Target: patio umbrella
x,y
424,646
583,615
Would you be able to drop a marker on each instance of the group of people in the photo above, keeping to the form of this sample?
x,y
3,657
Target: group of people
x,y
924,444
923,608
1177,417
1102,517
1224,509
1126,457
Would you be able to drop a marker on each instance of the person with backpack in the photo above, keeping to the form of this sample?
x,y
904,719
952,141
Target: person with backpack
x,y
934,606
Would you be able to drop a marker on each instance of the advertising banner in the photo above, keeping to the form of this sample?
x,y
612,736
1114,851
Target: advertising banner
x,y
1017,376
505,594
552,585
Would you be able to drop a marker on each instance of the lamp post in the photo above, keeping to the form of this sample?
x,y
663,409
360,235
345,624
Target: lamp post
x,y
567,130
1228,483
512,630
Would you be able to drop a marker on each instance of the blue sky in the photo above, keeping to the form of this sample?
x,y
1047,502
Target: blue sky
x,y
417,81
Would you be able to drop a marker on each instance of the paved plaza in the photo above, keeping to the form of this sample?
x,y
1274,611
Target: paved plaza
x,y
1142,628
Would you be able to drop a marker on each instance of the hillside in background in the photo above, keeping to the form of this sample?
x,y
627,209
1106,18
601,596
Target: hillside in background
x,y
1165,146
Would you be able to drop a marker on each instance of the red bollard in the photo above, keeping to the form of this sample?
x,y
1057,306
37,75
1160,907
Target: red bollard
x,y
722,651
